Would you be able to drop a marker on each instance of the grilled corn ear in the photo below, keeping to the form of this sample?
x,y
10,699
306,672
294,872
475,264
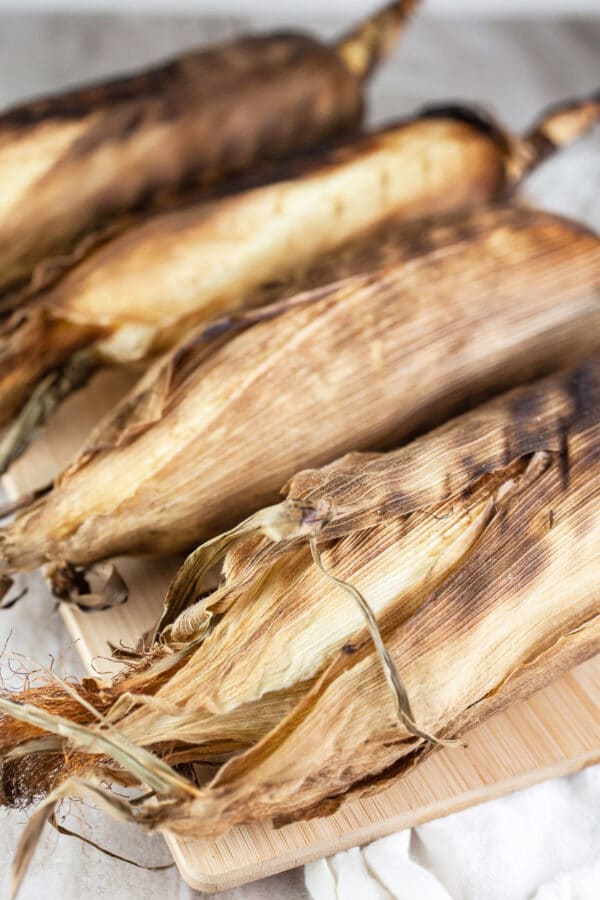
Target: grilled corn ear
x,y
477,547
71,163
141,291
415,326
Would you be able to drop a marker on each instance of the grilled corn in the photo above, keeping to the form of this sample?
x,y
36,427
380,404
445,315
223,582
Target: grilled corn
x,y
477,547
140,292
414,326
72,163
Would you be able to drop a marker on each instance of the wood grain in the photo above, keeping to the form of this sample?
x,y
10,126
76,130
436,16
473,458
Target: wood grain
x,y
557,731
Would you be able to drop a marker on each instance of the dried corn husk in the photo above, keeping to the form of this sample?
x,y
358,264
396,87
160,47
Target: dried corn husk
x,y
138,293
417,329
477,548
71,163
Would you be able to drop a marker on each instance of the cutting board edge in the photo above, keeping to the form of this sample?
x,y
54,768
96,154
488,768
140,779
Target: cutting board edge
x,y
212,883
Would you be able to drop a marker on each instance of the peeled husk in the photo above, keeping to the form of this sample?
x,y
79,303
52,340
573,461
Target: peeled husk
x,y
139,292
477,548
419,328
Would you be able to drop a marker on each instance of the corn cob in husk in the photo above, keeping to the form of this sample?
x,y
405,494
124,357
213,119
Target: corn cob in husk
x,y
477,548
71,163
416,326
139,292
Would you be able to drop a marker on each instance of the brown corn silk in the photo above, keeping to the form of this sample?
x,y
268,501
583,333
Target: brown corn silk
x,y
420,326
144,139
477,547
137,293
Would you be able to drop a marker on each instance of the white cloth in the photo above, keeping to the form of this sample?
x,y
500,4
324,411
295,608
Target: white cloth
x,y
539,844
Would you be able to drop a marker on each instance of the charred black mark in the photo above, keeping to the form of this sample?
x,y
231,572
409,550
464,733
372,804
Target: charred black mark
x,y
583,386
470,585
397,504
477,118
563,454
475,469
349,649
419,243
463,231
468,491
525,405
468,462
530,427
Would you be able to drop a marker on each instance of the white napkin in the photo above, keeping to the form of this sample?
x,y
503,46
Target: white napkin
x,y
539,844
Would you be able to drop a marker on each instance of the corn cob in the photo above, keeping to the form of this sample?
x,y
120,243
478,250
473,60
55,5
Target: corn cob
x,y
183,126
477,547
416,325
137,294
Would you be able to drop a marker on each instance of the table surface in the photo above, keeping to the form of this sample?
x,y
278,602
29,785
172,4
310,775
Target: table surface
x,y
514,68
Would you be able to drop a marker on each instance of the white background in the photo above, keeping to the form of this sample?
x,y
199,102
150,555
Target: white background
x,y
294,9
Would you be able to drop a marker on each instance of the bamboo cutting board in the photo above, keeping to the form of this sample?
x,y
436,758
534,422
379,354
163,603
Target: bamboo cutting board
x,y
555,732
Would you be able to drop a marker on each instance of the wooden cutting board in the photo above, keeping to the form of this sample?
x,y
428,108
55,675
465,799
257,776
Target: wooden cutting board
x,y
555,732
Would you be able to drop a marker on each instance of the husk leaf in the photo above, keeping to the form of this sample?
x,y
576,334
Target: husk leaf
x,y
477,550
138,293
144,141
210,434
